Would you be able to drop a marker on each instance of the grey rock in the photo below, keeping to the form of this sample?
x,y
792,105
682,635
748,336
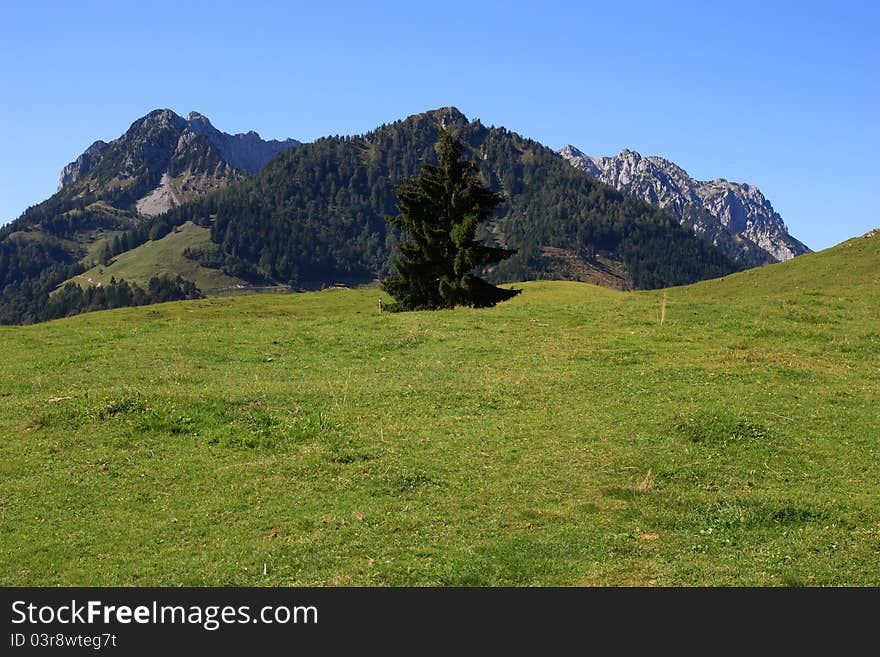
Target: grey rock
x,y
244,150
736,214
83,164
170,159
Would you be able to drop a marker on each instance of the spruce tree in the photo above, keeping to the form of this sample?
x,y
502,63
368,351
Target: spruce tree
x,y
440,210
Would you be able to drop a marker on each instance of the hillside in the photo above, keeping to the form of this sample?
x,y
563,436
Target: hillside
x,y
165,256
107,197
736,217
853,267
315,215
565,437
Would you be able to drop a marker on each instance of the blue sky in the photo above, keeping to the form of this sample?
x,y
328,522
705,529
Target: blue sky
x,y
785,96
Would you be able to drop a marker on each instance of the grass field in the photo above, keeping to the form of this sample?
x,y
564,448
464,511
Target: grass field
x,y
564,437
161,257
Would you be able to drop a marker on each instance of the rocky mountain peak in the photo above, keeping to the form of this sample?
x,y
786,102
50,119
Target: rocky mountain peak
x,y
571,151
450,112
580,160
714,207
197,117
164,159
146,136
444,116
246,150
160,119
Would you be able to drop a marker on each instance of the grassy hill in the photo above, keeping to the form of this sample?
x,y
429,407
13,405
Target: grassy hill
x,y
564,437
163,257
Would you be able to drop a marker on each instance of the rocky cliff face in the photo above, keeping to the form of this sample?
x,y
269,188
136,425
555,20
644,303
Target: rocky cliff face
x,y
735,216
165,159
82,165
245,150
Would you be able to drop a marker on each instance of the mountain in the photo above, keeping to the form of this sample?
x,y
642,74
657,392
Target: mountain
x,y
175,158
113,190
245,151
82,165
734,216
315,214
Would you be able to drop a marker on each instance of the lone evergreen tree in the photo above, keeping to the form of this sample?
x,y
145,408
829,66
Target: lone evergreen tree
x,y
440,210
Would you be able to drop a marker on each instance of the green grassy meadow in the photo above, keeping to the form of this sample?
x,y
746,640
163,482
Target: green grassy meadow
x,y
566,437
159,258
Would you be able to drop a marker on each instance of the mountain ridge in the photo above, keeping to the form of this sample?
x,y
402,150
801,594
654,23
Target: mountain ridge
x,y
246,151
720,210
108,198
315,214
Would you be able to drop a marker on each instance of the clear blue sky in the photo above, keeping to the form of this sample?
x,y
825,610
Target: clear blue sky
x,y
785,96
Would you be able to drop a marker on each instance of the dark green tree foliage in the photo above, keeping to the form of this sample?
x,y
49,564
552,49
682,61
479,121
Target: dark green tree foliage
x,y
315,215
73,299
440,210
